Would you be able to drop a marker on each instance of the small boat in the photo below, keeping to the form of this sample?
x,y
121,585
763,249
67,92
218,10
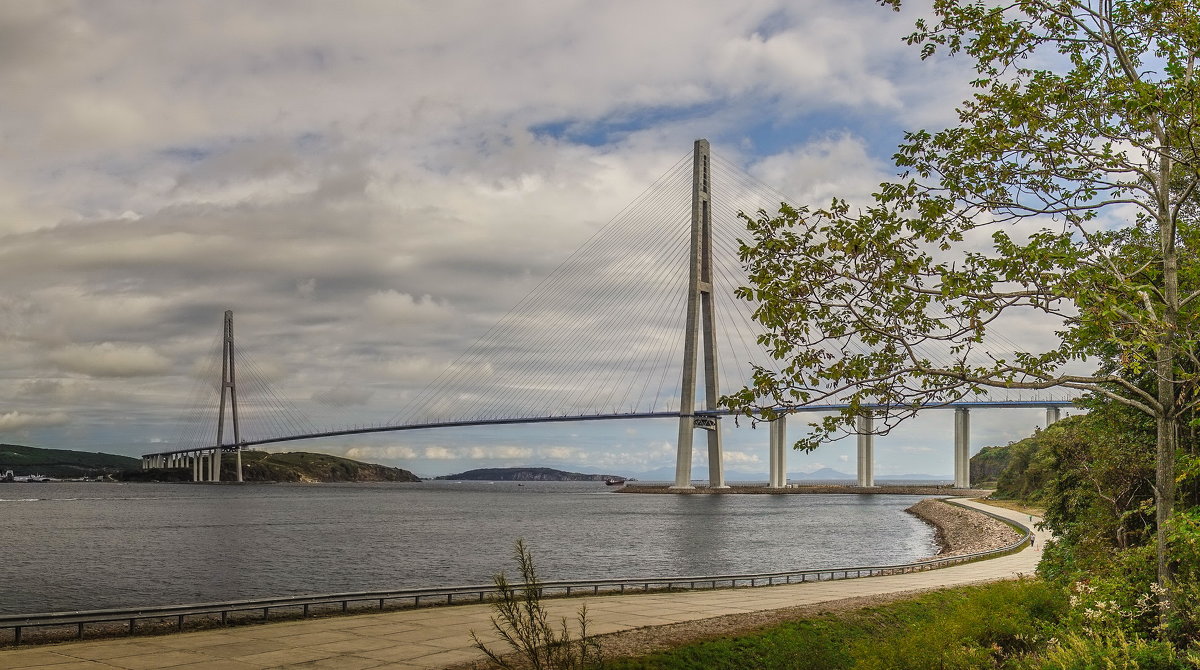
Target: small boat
x,y
613,481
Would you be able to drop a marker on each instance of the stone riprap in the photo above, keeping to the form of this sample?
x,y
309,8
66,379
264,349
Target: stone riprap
x,y
963,531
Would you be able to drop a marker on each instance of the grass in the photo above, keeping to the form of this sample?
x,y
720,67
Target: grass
x,y
1014,505
987,626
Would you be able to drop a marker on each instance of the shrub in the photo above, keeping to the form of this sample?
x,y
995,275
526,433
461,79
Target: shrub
x,y
523,623
1113,651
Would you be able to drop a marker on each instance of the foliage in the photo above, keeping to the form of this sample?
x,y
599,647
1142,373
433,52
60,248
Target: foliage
x,y
1112,651
1100,497
967,627
1065,196
523,623
1184,535
1028,467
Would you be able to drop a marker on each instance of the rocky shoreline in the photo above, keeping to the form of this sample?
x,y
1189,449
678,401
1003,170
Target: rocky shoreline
x,y
959,530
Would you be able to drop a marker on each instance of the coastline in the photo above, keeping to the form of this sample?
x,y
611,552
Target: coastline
x,y
804,488
958,530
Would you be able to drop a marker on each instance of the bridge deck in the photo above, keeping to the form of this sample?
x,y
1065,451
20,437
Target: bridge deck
x,y
437,637
983,404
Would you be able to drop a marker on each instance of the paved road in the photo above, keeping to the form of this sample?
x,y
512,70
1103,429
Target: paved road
x,y
437,637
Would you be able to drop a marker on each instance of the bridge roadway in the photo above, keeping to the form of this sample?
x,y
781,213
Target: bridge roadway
x,y
203,460
440,636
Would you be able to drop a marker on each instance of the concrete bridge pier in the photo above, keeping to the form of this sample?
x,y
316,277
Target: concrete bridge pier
x,y
1053,414
866,449
962,448
778,450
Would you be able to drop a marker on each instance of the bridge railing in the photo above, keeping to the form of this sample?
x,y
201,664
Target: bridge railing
x,y
75,623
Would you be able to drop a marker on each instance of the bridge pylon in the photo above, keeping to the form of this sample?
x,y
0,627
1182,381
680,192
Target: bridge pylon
x,y
700,329
228,382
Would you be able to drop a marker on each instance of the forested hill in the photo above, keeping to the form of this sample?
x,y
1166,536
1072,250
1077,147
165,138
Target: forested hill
x,y
301,466
294,466
1022,469
526,475
61,463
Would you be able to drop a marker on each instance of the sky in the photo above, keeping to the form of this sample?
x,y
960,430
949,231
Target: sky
x,y
369,186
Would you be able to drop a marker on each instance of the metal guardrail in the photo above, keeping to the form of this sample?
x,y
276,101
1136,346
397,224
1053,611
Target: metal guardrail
x,y
80,619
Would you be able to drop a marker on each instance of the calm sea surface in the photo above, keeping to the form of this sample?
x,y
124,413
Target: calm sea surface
x,y
66,546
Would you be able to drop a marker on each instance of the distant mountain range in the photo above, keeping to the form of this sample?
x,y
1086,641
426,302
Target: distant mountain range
x,y
530,474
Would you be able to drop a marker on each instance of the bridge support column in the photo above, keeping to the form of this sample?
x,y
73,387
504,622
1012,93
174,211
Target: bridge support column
x,y
866,449
1053,414
215,465
778,453
700,325
239,464
962,448
195,458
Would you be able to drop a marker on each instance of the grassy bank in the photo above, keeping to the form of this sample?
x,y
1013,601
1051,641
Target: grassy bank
x,y
987,626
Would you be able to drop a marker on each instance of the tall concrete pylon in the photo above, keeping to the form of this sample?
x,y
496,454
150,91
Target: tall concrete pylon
x,y
701,326
228,381
962,448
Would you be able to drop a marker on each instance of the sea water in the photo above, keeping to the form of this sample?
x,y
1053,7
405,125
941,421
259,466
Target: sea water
x,y
68,546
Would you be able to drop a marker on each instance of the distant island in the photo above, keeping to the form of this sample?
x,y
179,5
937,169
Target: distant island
x,y
62,463
526,475
257,466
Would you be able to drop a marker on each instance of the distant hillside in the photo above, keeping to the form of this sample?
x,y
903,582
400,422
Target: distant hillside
x,y
301,466
1022,469
294,466
61,463
526,475
987,465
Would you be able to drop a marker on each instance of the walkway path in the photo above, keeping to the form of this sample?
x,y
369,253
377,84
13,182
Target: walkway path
x,y
440,636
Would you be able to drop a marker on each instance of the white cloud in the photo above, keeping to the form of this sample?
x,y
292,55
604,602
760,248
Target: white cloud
x,y
110,359
391,453
440,454
14,421
392,306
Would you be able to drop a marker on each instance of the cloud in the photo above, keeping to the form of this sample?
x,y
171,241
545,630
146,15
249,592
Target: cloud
x,y
440,454
342,395
391,306
498,452
393,453
111,359
735,457
14,421
367,236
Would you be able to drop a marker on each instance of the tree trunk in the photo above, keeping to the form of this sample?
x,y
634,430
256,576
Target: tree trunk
x,y
1168,417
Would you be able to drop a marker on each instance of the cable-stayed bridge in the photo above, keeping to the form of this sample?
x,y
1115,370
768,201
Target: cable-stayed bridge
x,y
641,322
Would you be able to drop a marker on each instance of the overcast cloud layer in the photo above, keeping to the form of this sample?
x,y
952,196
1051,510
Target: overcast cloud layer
x,y
370,185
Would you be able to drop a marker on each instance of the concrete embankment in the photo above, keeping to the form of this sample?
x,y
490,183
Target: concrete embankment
x,y
797,488
963,531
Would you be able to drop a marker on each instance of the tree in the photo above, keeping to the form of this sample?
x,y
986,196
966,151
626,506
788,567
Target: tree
x,y
1061,193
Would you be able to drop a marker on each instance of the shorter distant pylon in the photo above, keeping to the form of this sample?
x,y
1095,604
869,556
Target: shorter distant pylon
x,y
228,381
